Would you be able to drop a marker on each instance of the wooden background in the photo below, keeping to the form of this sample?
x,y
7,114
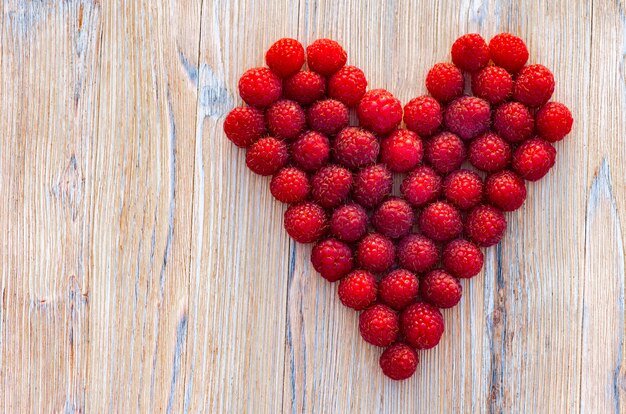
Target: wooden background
x,y
143,268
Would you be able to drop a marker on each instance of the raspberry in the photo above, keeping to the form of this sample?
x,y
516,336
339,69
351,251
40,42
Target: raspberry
x,y
379,325
260,87
554,121
513,122
505,190
290,185
285,57
393,218
485,225
330,185
533,159
445,82
423,115
355,147
493,84
398,289
468,117
304,87
399,361
444,152
508,51
440,289
285,119
325,56
440,221
417,253
379,111
422,325
349,222
371,185
266,156
463,188
534,85
328,116
332,259
489,152
470,52
347,85
358,290
310,151
402,150
462,258
305,222
375,253
244,125
421,186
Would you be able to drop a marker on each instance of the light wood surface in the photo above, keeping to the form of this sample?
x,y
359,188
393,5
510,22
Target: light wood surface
x,y
143,268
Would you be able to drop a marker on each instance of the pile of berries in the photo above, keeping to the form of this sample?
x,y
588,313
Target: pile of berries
x,y
398,258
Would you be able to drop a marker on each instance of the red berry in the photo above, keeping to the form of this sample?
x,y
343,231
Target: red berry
x,y
310,151
489,152
398,289
470,52
508,51
325,56
422,325
393,218
534,85
440,289
463,188
347,85
260,87
305,222
402,150
445,82
554,121
445,152
358,290
290,185
244,125
533,159
462,258
379,111
417,253
328,116
440,221
399,361
379,325
513,122
304,87
355,147
285,57
375,253
267,156
493,84
468,117
349,222
285,119
332,259
421,186
505,190
331,185
485,225
371,185
423,115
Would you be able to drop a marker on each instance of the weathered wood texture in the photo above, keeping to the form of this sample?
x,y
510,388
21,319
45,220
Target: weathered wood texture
x,y
143,268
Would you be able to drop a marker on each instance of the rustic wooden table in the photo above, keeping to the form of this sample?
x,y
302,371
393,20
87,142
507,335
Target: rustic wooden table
x,y
143,268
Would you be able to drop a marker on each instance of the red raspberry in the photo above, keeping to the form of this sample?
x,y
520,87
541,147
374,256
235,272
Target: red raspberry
x,y
441,289
462,258
331,185
422,325
290,185
445,152
325,56
467,117
310,151
513,122
349,222
470,52
285,57
379,325
260,87
332,259
285,119
347,85
534,85
554,121
402,150
244,125
493,84
445,82
440,221
305,222
485,225
355,147
328,116
398,289
463,188
508,51
489,152
417,253
304,87
505,190
379,111
393,218
399,361
371,185
423,115
266,156
421,186
533,159
375,253
358,290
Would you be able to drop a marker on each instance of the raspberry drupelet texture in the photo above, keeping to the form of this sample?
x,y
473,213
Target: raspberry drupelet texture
x,y
468,117
462,258
402,150
244,126
347,85
534,85
440,221
349,222
423,115
379,111
355,147
493,84
310,151
393,218
290,185
508,51
463,188
285,57
489,152
445,152
325,56
440,289
421,186
375,253
399,361
328,116
358,289
331,185
417,253
398,289
372,185
505,190
379,325
445,82
485,225
285,119
267,156
422,325
554,121
513,122
305,222
332,259
260,87
533,159
304,87
470,52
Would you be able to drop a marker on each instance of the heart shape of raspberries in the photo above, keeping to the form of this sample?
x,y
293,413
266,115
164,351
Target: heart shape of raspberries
x,y
337,178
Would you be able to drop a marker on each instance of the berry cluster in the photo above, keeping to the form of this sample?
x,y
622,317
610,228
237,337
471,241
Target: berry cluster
x,y
399,259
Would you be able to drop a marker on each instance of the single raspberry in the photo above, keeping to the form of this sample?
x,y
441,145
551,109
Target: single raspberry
x,y
305,222
508,51
463,188
422,325
355,147
505,190
260,87
423,115
467,117
470,52
445,82
371,185
393,218
440,221
327,116
398,289
534,85
290,185
513,122
402,150
379,111
489,152
244,125
347,85
379,325
375,253
445,152
421,186
485,225
440,289
417,253
267,156
349,222
358,290
554,121
331,185
304,87
399,361
332,259
325,56
285,119
462,258
285,57
310,151
533,159
493,84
